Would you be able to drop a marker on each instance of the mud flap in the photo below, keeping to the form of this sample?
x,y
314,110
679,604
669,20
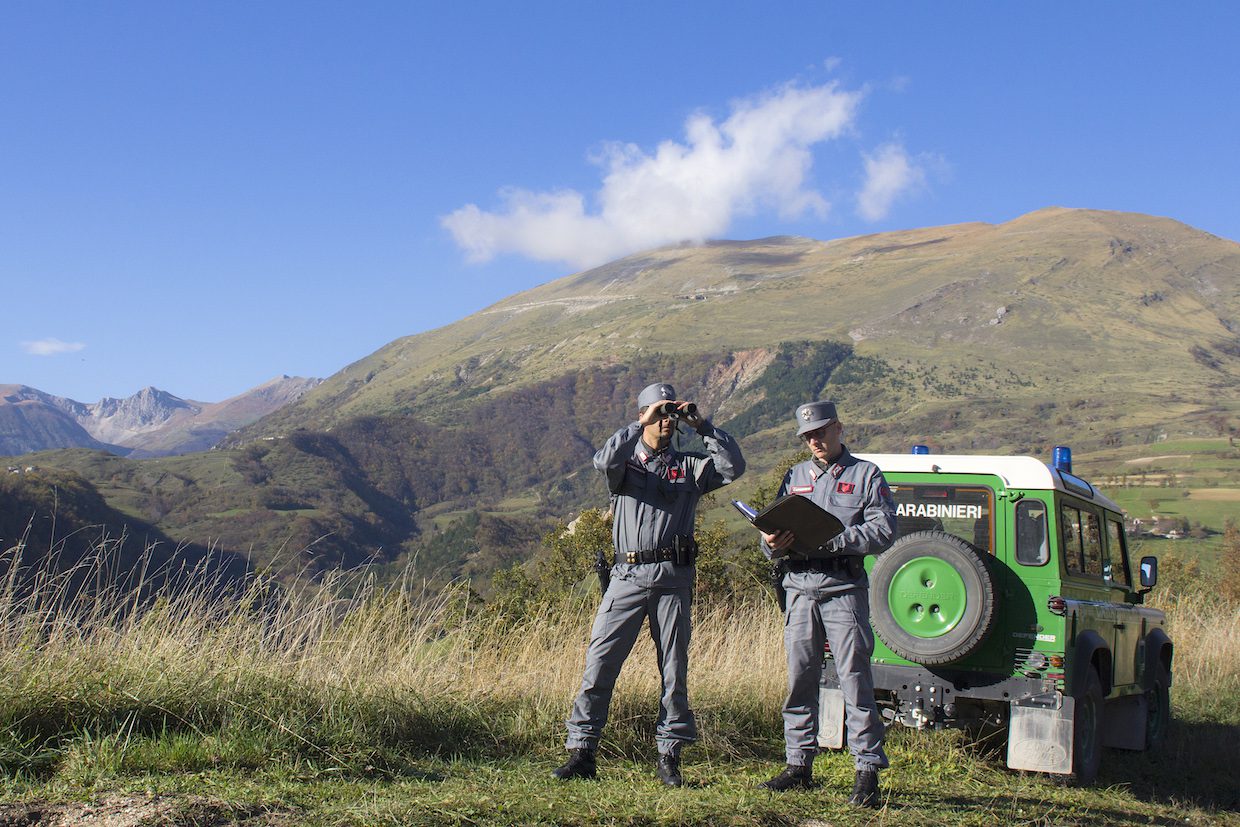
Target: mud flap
x,y
830,718
1040,736
1123,725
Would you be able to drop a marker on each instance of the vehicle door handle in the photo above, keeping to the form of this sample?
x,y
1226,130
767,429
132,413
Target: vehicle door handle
x,y
1121,625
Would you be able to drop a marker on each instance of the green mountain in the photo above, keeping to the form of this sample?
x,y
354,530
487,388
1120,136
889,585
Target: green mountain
x,y
54,522
457,447
1147,302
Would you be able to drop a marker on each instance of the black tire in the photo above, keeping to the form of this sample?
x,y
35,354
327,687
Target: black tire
x,y
1087,730
1158,709
933,598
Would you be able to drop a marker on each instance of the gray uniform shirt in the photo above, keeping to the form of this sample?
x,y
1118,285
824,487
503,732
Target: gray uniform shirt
x,y
655,496
854,491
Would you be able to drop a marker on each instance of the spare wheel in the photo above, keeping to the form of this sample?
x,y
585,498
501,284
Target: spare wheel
x,y
932,598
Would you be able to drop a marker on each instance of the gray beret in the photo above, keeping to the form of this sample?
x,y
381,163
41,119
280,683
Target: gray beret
x,y
655,393
813,415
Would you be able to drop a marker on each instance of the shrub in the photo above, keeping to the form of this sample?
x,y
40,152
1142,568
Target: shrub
x,y
1229,563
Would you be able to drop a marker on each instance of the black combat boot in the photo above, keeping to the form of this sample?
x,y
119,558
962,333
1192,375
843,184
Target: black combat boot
x,y
865,789
792,776
668,768
580,764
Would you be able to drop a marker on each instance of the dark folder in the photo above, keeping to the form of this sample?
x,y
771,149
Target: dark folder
x,y
812,525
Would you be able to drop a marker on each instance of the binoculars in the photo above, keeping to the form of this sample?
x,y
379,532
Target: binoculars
x,y
670,410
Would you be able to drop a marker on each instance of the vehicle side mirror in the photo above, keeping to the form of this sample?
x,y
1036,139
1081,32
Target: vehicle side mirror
x,y
1149,573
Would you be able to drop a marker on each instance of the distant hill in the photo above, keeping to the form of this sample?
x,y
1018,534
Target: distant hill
x,y
149,423
974,309
54,522
457,447
31,420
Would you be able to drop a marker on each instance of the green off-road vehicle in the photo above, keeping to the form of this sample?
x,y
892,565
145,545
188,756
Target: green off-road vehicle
x,y
1008,600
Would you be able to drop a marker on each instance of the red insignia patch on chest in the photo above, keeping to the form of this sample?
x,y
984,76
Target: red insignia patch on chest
x,y
844,487
675,473
801,489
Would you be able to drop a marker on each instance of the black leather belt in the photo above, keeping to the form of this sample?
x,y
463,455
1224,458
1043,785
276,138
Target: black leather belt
x,y
654,555
683,552
826,565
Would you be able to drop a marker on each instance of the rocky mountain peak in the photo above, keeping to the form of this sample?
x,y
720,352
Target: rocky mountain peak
x,y
151,422
148,398
147,409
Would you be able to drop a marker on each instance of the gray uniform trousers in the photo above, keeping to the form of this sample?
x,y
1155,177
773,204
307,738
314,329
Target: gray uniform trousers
x,y
616,627
843,619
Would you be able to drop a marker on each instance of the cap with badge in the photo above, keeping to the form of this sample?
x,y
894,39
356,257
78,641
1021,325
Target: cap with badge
x,y
658,392
813,415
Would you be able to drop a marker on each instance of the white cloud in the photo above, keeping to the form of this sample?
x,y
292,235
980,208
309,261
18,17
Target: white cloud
x,y
758,158
889,174
51,347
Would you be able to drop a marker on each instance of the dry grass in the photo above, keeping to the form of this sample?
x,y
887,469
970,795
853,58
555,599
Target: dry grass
x,y
1229,495
334,675
1206,669
381,683
398,640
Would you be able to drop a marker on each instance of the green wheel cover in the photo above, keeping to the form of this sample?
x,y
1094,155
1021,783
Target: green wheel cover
x,y
927,597
933,597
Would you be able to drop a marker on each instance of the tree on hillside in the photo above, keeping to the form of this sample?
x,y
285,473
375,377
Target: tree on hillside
x,y
765,493
1229,563
729,569
563,566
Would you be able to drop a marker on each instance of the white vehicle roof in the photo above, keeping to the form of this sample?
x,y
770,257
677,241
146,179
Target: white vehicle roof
x,y
1016,472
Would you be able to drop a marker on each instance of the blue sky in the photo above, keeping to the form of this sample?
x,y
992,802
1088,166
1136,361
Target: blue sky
x,y
202,196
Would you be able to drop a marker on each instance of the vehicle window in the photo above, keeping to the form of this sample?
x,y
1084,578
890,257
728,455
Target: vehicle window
x,y
1032,540
1092,535
1117,555
1070,542
965,511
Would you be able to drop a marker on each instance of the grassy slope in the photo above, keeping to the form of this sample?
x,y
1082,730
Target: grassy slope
x,y
1125,294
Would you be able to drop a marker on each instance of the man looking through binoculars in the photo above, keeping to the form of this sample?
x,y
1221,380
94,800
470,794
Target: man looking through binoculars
x,y
654,494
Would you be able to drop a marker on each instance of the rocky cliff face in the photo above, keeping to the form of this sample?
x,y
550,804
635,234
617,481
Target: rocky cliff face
x,y
126,421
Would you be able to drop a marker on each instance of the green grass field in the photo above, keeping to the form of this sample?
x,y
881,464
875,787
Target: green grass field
x,y
928,786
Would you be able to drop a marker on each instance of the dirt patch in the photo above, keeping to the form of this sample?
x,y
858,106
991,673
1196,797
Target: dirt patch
x,y
1152,459
1226,495
144,811
733,376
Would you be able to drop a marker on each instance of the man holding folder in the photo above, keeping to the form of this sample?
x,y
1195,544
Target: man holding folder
x,y
828,601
